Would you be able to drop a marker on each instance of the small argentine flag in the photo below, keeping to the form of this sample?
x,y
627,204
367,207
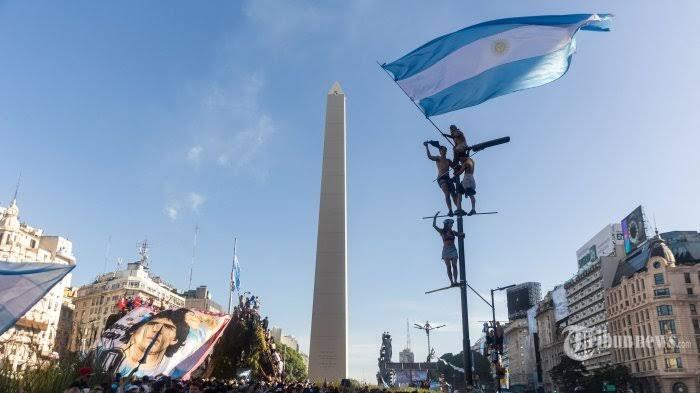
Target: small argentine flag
x,y
236,275
480,62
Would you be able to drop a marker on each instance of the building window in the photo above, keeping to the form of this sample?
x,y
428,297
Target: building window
x,y
696,326
689,290
664,310
665,292
667,326
673,363
687,277
693,310
658,278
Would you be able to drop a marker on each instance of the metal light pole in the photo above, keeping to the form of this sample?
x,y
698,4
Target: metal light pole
x,y
466,344
427,328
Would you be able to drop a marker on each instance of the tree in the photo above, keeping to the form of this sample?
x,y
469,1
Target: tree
x,y
242,346
482,370
294,366
618,375
568,375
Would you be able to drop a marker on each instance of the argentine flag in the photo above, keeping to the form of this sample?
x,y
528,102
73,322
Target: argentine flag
x,y
480,62
235,275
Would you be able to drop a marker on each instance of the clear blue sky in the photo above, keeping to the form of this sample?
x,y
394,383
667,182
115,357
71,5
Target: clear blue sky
x,y
136,120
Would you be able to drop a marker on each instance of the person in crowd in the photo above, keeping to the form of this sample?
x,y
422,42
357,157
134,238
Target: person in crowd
x,y
449,251
467,186
499,333
137,301
460,142
443,180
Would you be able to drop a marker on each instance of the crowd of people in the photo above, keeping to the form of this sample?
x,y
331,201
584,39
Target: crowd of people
x,y
248,310
126,304
494,347
167,385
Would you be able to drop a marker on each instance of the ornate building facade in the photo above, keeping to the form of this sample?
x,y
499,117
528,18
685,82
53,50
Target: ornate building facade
x,y
515,353
32,339
95,302
655,298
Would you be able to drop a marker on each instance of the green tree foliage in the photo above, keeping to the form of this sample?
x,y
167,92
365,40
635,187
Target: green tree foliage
x,y
618,375
482,370
568,375
242,346
294,367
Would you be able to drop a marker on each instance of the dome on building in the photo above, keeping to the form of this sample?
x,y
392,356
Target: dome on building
x,y
658,248
10,220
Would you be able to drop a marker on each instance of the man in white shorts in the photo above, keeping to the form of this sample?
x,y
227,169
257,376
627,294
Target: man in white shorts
x,y
468,184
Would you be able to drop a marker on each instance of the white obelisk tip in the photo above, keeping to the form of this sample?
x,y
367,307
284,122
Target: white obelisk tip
x,y
336,89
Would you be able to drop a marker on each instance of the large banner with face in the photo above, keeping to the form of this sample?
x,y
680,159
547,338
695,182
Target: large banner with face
x,y
150,342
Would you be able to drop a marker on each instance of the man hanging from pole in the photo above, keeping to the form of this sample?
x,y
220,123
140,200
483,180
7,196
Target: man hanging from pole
x,y
460,142
443,166
449,251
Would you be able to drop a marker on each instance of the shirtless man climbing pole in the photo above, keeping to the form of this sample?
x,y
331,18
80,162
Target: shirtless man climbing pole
x,y
460,143
443,166
468,186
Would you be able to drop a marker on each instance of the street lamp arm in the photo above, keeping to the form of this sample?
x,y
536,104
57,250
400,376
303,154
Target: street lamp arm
x,y
479,295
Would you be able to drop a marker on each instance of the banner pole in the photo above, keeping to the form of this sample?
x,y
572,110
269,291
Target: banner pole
x,y
416,105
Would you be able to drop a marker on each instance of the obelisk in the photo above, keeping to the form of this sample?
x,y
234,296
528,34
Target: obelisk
x,y
328,354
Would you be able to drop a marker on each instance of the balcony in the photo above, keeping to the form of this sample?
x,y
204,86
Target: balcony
x,y
31,324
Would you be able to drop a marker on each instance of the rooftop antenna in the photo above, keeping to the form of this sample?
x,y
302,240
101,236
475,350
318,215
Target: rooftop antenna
x,y
143,252
107,250
120,263
19,181
408,336
656,229
194,249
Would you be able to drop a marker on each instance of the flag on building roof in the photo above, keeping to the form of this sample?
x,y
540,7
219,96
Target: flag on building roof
x,y
22,285
480,62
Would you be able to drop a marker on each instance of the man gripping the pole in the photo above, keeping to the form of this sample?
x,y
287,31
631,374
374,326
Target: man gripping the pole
x,y
460,142
443,166
467,187
463,164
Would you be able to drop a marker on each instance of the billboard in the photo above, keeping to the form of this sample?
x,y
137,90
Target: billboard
x,y
561,304
633,230
147,341
601,245
520,298
405,377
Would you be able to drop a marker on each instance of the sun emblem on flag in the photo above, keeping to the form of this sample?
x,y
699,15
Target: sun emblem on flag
x,y
500,47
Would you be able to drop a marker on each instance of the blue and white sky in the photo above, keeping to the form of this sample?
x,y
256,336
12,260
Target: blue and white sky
x,y
136,120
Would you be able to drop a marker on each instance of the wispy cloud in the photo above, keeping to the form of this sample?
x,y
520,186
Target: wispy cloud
x,y
171,211
233,125
196,200
193,154
278,20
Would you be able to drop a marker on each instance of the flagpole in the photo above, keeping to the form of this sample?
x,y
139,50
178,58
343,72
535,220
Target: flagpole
x,y
233,268
416,105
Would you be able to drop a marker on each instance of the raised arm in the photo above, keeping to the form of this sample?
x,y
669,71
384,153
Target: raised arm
x,y
435,222
427,152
